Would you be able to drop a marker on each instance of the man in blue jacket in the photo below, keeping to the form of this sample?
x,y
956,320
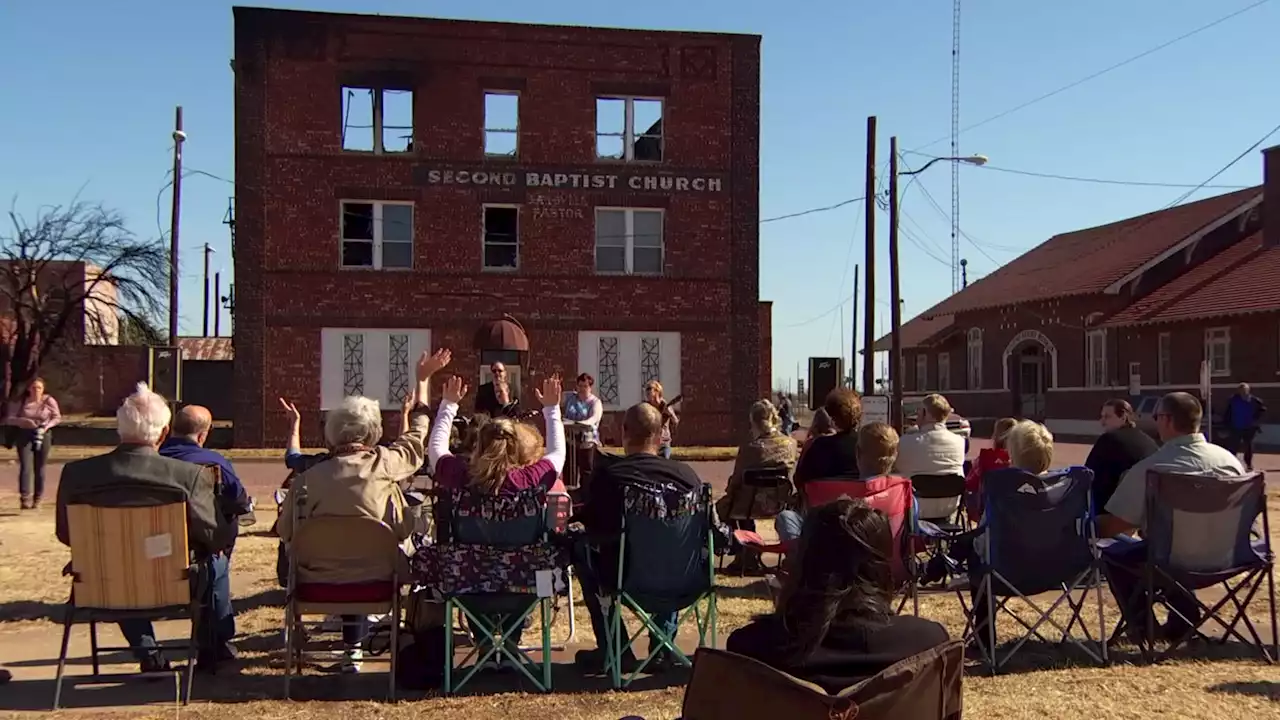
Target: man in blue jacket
x,y
191,428
1242,418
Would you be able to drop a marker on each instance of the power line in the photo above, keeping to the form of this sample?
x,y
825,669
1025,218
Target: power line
x,y
811,211
1102,72
1098,181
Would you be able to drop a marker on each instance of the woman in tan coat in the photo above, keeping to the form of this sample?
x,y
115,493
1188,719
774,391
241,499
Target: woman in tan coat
x,y
769,447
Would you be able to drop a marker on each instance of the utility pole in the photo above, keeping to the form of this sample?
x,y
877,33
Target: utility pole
x,y
895,293
204,330
217,304
179,137
869,203
853,351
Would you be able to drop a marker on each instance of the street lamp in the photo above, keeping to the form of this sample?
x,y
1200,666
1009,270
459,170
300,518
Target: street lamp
x,y
895,293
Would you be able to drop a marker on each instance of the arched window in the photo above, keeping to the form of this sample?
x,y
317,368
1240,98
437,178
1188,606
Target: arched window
x,y
975,358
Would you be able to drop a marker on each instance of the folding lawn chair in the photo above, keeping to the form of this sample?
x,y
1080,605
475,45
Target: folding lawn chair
x,y
925,686
492,572
1038,535
1198,533
763,494
132,563
940,515
666,564
372,551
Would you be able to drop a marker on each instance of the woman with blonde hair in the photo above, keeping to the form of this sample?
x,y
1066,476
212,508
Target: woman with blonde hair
x,y
508,456
653,396
768,446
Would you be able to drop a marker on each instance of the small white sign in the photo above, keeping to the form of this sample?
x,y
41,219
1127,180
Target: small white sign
x,y
875,408
546,583
158,546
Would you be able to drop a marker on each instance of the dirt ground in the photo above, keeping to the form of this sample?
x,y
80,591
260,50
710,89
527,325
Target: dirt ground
x,y
1048,682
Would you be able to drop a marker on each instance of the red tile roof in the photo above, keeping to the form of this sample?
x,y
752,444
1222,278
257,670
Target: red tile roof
x,y
206,348
1240,279
1087,261
918,331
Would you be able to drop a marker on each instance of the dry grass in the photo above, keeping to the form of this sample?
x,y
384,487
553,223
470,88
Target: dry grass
x,y
1048,683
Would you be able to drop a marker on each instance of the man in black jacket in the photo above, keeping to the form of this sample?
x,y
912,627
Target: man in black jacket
x,y
1119,448
496,398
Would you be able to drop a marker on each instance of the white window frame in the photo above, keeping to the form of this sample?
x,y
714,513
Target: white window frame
x,y
513,131
484,237
378,205
922,372
1164,358
973,346
944,371
1218,336
1095,358
629,231
379,107
629,133
375,365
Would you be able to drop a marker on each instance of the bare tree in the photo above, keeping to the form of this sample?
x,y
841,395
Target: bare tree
x,y
73,275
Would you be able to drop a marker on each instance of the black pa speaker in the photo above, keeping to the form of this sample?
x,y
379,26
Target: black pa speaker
x,y
165,372
825,374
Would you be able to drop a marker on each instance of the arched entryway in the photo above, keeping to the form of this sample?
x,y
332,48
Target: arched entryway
x,y
1030,370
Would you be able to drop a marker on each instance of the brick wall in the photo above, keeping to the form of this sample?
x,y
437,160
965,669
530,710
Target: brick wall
x,y
292,172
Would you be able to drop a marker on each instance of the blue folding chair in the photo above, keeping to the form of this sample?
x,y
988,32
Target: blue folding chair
x,y
1038,535
1199,532
666,564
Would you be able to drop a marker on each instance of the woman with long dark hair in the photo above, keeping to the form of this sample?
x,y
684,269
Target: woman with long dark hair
x,y
834,625
33,418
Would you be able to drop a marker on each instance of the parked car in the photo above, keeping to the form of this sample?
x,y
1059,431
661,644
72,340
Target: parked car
x,y
911,408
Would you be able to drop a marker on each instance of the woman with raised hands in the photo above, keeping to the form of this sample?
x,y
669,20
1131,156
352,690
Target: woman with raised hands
x,y
505,460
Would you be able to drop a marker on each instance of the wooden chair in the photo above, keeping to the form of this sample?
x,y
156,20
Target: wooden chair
x,y
131,563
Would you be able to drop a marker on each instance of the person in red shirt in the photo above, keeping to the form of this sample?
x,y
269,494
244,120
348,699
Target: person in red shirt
x,y
988,459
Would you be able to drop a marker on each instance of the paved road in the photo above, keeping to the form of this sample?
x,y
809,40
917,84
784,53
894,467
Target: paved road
x,y
261,478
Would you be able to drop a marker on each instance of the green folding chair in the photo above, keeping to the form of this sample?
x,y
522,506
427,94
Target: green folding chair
x,y
499,545
666,565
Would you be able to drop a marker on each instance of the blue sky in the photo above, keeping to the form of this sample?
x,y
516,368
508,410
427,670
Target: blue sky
x,y
89,91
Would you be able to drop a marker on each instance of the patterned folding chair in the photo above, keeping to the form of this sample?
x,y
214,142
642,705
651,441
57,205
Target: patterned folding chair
x,y
1199,533
666,564
926,686
372,550
132,563
499,568
1039,535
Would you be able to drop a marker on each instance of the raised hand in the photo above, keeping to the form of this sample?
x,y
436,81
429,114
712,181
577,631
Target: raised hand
x,y
431,363
552,389
455,389
292,410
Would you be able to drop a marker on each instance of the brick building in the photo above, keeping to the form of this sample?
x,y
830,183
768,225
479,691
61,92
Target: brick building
x,y
1128,309
403,183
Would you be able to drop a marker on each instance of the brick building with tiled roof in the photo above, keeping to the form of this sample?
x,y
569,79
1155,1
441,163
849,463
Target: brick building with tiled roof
x,y
1134,305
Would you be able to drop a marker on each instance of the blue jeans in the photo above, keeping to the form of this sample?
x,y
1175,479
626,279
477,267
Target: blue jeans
x,y
788,524
665,450
219,617
585,571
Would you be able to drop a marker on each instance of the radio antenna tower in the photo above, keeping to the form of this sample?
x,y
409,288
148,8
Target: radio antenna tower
x,y
955,148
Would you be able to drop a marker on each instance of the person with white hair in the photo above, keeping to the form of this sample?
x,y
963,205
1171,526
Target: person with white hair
x,y
135,474
359,478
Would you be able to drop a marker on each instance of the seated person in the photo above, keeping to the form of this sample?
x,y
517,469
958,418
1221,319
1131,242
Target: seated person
x,y
932,449
1185,450
833,625
496,398
361,479
835,455
1030,447
595,560
876,450
190,430
506,458
122,478
1121,446
769,447
990,458
820,426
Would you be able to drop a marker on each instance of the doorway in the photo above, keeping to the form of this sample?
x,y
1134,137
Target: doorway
x,y
1030,391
